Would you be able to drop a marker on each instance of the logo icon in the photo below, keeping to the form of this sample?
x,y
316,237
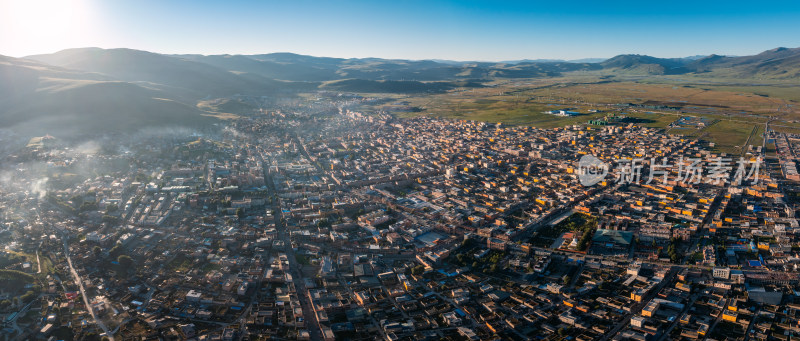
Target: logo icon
x,y
591,170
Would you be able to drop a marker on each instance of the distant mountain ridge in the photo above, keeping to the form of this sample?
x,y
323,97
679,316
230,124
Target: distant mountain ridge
x,y
781,63
179,76
778,63
646,64
583,60
294,67
39,99
194,75
93,89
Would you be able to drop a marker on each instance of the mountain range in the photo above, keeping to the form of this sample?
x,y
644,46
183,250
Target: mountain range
x,y
89,90
778,63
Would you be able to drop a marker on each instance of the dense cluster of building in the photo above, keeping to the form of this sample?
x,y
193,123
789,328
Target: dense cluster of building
x,y
328,223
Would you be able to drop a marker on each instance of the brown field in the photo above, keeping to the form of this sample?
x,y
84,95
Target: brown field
x,y
736,111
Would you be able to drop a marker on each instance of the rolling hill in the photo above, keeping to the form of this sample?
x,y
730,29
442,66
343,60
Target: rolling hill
x,y
634,63
779,63
90,90
391,86
199,76
186,78
194,77
39,99
291,71
295,67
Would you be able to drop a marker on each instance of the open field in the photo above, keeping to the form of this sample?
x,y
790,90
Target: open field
x,y
784,129
729,135
782,89
733,111
47,265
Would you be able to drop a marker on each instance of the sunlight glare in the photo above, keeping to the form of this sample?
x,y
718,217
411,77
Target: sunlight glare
x,y
41,26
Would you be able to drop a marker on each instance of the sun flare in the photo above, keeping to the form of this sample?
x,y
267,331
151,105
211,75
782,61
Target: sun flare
x,y
37,26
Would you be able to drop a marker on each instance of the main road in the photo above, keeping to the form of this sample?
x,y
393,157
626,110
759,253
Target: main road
x,y
79,281
296,271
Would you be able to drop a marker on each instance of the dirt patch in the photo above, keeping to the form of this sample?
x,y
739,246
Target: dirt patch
x,y
682,104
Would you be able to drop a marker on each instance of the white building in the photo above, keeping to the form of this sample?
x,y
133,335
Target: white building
x,y
720,272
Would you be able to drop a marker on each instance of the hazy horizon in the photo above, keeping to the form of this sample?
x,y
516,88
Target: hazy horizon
x,y
447,30
394,58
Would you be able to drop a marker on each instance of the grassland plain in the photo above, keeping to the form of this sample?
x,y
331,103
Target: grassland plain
x,y
735,111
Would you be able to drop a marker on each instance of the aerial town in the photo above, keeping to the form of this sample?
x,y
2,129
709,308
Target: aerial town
x,y
316,221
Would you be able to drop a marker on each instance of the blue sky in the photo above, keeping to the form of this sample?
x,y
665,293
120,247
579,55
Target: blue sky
x,y
459,30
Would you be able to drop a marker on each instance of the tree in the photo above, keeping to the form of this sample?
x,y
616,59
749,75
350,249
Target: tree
x,y
567,280
583,243
240,213
125,262
495,258
303,260
96,250
28,296
87,206
493,268
110,219
76,199
672,251
116,250
92,336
